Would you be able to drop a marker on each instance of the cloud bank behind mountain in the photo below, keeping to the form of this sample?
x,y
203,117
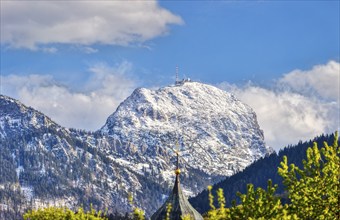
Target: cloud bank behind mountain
x,y
298,106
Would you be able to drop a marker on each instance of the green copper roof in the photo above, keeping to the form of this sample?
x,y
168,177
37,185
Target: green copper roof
x,y
180,206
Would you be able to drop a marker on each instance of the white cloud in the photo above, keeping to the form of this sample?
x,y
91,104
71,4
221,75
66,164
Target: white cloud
x,y
30,24
89,109
302,105
89,50
49,49
321,79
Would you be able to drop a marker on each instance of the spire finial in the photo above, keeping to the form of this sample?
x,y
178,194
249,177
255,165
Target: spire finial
x,y
177,171
176,75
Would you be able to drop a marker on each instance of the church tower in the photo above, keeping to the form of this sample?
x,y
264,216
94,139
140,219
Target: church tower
x,y
176,206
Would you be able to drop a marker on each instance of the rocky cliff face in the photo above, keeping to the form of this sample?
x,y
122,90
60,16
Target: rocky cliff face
x,y
217,133
133,152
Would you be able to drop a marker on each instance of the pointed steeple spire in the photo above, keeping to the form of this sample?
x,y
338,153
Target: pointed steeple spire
x,y
179,204
177,171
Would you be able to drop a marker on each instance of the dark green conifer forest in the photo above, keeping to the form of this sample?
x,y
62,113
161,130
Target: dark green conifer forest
x,y
259,172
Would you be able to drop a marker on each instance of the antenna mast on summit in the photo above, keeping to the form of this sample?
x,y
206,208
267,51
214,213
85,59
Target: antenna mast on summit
x,y
176,75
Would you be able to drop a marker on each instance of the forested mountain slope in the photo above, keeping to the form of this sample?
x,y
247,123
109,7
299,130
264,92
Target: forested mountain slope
x,y
259,172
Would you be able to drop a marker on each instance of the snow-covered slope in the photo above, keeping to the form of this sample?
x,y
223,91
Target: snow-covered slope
x,y
132,153
17,118
45,164
218,134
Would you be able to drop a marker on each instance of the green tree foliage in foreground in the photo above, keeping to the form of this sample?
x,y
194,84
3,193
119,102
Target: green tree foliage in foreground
x,y
137,213
313,191
56,213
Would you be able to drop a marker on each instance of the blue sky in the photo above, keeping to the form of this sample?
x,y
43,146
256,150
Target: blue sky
x,y
102,50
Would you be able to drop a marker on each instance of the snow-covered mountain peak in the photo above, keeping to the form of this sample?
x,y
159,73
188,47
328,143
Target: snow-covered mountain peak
x,y
218,133
182,94
170,105
17,117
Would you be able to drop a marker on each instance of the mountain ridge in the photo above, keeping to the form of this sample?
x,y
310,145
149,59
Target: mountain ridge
x,y
56,164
